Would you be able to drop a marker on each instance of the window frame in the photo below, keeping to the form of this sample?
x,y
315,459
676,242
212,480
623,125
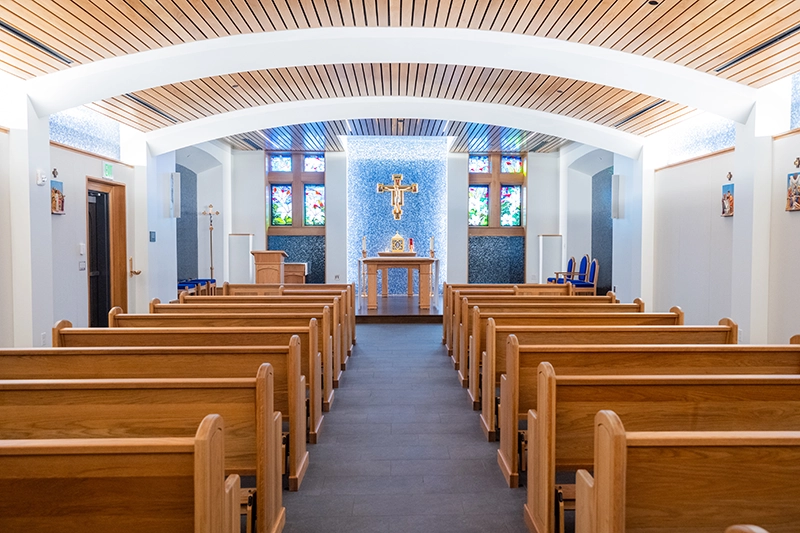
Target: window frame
x,y
496,179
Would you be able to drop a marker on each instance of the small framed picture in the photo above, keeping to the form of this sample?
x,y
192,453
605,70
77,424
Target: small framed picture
x,y
57,197
793,192
727,200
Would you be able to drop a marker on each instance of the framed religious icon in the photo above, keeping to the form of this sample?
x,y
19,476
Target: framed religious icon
x,y
56,197
793,192
727,200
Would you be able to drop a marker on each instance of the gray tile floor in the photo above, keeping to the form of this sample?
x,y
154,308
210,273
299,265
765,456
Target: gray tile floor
x,y
402,449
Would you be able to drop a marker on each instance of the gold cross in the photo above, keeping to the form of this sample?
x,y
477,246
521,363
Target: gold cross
x,y
398,192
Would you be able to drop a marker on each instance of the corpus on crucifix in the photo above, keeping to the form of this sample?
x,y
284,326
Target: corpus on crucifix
x,y
398,192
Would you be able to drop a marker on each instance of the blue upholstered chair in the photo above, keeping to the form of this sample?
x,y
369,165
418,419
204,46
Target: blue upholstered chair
x,y
588,287
560,276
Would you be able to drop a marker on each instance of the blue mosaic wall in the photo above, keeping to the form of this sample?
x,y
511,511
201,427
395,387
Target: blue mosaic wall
x,y
82,128
602,228
795,121
303,249
496,259
186,225
373,160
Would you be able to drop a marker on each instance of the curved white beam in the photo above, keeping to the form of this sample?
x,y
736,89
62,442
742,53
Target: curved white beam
x,y
238,53
284,114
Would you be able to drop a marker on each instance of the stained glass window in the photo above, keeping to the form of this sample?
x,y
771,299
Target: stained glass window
x,y
280,163
511,164
281,201
314,205
510,205
478,205
479,164
314,163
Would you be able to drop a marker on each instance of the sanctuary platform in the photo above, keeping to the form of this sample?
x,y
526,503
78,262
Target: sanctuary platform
x,y
399,309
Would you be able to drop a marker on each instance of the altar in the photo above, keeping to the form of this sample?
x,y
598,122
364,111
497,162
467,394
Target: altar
x,y
428,268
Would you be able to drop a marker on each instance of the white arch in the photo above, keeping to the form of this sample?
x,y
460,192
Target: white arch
x,y
133,72
283,114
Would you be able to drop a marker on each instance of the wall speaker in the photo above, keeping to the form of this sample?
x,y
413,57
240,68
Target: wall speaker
x,y
617,203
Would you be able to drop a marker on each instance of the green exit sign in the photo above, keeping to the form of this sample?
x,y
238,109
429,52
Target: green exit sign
x,y
108,171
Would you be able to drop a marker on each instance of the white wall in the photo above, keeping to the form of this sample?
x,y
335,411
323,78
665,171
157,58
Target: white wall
x,y
248,196
162,254
693,243
579,214
784,299
457,217
70,284
542,193
6,309
336,217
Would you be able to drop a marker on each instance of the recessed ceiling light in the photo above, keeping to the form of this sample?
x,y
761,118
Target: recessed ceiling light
x,y
559,91
235,85
653,2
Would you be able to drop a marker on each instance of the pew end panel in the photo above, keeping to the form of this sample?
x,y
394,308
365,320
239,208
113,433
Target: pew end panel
x,y
233,487
746,529
487,391
636,475
795,339
733,334
509,400
135,485
584,502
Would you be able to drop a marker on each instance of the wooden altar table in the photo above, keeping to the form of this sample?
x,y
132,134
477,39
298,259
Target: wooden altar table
x,y
423,264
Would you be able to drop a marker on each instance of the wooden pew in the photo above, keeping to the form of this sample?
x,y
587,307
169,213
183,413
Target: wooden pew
x,y
456,317
294,289
566,406
534,337
688,481
451,307
746,529
287,300
64,335
268,309
150,408
179,362
152,485
516,306
116,318
476,343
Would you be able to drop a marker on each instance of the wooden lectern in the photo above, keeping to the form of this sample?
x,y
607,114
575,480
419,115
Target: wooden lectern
x,y
269,265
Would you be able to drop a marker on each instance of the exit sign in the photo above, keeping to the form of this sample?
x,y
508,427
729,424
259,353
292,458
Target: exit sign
x,y
108,171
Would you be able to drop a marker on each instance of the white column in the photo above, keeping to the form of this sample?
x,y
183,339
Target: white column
x,y
457,217
542,201
634,232
162,260
752,179
133,151
336,218
30,229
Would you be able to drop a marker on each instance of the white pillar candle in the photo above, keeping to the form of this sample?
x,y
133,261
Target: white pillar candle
x,y
364,243
431,243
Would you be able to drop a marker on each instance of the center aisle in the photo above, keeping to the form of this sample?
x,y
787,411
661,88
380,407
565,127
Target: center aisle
x,y
402,449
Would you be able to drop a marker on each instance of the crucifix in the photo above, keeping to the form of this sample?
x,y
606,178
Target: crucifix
x,y
398,193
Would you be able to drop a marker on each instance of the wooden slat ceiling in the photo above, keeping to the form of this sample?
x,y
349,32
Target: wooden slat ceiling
x,y
700,34
324,136
196,99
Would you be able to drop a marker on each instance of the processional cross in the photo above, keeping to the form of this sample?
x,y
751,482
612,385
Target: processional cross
x,y
398,193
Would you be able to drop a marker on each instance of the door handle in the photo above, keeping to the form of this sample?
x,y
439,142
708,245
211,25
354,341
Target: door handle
x,y
132,272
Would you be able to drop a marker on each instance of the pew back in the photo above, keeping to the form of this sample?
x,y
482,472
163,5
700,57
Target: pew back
x,y
494,360
134,485
64,335
637,473
153,408
475,346
565,406
325,346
